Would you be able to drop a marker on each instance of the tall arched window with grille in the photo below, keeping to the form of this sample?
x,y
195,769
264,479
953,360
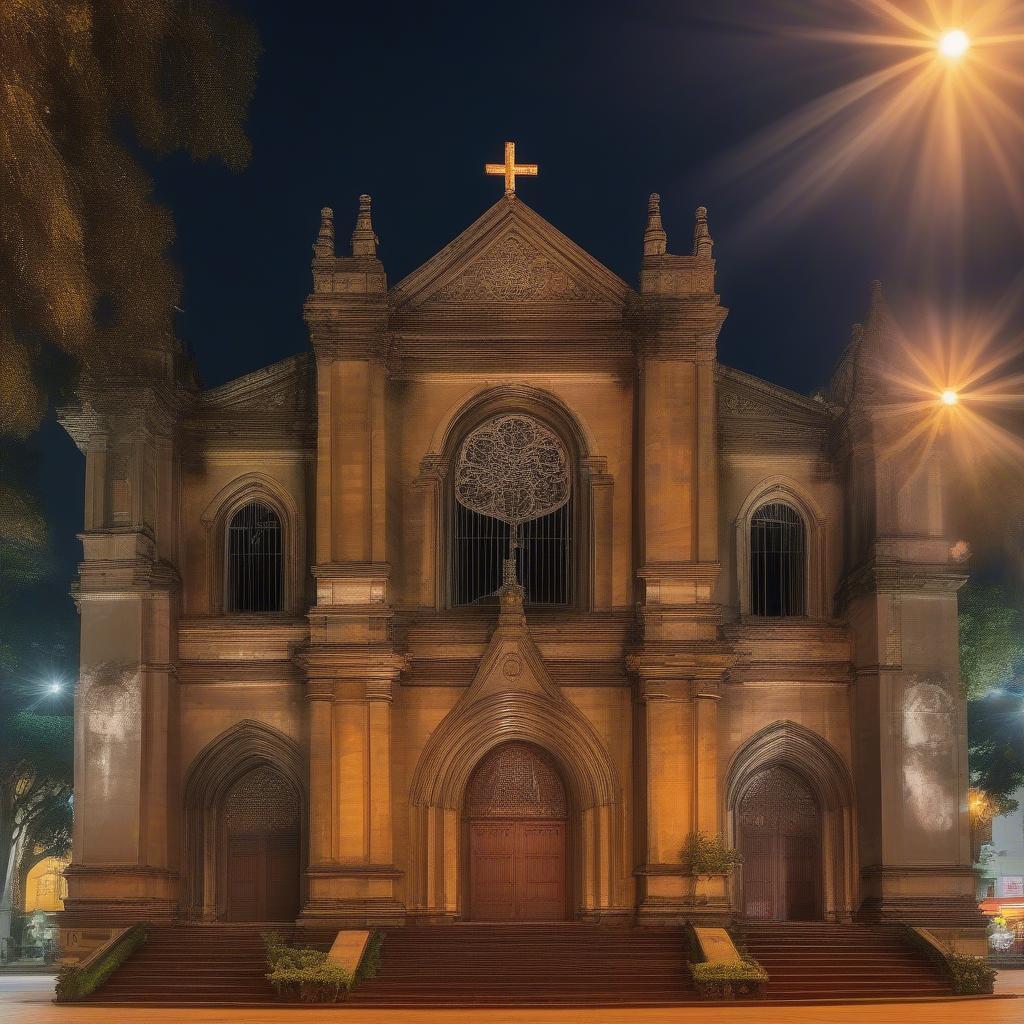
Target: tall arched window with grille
x,y
254,559
516,468
778,561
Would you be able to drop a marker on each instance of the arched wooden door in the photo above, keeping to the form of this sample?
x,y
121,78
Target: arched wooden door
x,y
780,838
515,824
261,849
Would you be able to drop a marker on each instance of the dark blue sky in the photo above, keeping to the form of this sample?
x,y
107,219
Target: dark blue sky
x,y
613,101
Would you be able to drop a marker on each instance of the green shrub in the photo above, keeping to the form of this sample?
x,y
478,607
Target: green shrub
x,y
742,970
75,981
703,855
303,973
728,980
971,975
370,963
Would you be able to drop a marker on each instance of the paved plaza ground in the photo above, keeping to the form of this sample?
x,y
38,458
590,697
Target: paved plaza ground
x,y
25,999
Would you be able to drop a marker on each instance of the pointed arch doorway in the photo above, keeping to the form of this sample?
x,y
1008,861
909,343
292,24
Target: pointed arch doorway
x,y
780,839
515,824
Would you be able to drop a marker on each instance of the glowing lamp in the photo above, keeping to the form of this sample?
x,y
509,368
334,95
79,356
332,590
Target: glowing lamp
x,y
54,688
950,397
954,44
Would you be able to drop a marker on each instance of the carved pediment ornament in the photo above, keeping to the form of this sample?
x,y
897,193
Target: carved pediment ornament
x,y
510,271
738,404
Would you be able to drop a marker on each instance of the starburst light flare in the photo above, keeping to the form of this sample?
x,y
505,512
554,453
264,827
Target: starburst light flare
x,y
931,114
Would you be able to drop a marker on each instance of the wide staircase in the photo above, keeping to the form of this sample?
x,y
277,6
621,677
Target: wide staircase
x,y
199,964
529,965
810,961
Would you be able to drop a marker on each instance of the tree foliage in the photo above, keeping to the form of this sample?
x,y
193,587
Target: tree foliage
x,y
991,639
992,670
84,84
36,767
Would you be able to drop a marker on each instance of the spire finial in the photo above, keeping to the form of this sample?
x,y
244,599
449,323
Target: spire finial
x,y
323,248
702,240
655,239
364,241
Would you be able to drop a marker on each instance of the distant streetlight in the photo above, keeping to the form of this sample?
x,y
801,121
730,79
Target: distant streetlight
x,y
954,44
54,687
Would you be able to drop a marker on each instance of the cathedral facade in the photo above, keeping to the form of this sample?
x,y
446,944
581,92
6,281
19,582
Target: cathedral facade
x,y
482,607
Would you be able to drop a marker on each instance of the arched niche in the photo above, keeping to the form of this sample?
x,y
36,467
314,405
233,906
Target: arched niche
x,y
215,774
819,767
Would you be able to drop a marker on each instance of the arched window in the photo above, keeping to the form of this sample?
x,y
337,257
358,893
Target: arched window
x,y
777,561
513,482
254,560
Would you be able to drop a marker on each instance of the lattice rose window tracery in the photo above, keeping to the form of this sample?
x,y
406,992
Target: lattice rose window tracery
x,y
514,469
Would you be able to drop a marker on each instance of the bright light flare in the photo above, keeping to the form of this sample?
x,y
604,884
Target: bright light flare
x,y
954,44
934,113
54,687
954,393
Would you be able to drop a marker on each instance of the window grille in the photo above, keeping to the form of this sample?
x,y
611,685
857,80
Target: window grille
x,y
543,557
777,561
254,559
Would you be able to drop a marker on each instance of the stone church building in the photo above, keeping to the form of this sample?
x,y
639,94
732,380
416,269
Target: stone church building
x,y
480,607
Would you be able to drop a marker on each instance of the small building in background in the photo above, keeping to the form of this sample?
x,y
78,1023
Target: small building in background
x,y
1001,880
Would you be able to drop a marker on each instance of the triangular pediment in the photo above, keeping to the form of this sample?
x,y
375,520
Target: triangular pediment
x,y
511,255
284,387
745,397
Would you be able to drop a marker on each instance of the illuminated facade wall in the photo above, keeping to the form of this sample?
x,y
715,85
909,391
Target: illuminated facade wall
x,y
657,693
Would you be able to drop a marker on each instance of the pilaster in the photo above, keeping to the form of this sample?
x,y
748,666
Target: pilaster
x,y
350,663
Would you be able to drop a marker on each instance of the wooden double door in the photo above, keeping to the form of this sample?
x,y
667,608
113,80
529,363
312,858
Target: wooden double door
x,y
517,870
263,877
516,814
780,840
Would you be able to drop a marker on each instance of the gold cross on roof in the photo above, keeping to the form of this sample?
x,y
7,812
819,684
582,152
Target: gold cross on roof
x,y
510,168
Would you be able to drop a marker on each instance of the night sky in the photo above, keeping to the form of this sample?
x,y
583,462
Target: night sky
x,y
408,101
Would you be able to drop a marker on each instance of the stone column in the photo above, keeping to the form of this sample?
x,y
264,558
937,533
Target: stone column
x,y
899,597
125,849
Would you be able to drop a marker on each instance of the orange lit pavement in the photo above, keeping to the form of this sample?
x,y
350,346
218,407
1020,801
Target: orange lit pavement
x,y
25,1000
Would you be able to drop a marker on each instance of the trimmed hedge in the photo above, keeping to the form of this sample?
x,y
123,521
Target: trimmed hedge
x,y
75,981
968,975
971,975
744,978
310,975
